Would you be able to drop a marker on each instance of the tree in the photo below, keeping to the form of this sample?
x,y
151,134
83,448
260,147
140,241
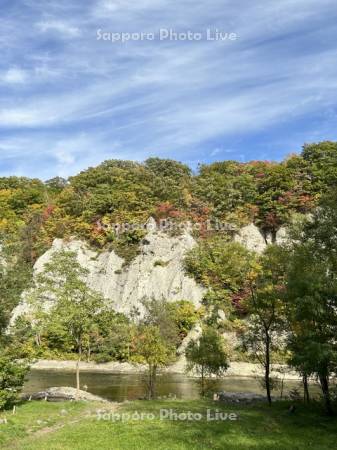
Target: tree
x,y
170,180
184,316
60,288
282,189
221,266
111,339
312,297
15,275
228,188
156,339
151,348
56,184
76,313
160,314
313,319
12,377
320,159
266,311
207,356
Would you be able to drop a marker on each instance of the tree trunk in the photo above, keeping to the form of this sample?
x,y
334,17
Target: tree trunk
x,y
202,382
324,381
282,388
154,376
78,371
306,395
267,369
151,382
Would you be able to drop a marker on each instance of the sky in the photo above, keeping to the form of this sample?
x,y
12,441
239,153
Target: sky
x,y
72,94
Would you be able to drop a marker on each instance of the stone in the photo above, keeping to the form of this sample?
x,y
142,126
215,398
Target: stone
x,y
251,237
63,393
240,397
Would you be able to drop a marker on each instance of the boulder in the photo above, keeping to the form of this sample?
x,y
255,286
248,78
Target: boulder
x,y
60,394
240,397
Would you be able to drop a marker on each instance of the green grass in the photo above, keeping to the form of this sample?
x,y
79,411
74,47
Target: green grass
x,y
257,427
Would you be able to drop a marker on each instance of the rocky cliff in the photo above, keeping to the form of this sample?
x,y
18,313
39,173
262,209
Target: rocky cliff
x,y
157,272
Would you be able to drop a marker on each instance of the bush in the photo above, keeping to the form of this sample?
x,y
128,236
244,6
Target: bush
x,y
12,377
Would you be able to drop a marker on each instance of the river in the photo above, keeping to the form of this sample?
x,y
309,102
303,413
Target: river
x,y
120,387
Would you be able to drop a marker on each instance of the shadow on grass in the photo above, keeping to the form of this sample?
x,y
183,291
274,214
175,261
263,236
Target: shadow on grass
x,y
258,426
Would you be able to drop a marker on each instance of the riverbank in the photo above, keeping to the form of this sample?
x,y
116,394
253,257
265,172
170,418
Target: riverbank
x,y
236,369
162,425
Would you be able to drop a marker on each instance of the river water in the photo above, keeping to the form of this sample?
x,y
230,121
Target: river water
x,y
119,387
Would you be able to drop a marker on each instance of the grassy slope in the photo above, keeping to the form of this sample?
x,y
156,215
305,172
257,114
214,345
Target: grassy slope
x,y
258,427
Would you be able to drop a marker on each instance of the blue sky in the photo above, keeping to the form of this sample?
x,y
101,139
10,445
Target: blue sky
x,y
69,100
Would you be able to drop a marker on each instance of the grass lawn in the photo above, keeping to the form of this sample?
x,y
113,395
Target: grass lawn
x,y
71,426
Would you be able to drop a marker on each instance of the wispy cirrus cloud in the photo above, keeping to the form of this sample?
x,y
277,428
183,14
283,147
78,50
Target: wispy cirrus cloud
x,y
63,28
71,100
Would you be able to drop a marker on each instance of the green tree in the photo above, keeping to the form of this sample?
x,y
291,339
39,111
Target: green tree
x,y
266,311
312,297
56,184
207,356
112,338
151,348
158,313
320,159
221,266
72,305
156,339
15,276
12,378
228,188
170,180
184,316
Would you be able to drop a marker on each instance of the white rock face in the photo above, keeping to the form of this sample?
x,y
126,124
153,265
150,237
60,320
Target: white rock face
x,y
157,272
282,236
251,237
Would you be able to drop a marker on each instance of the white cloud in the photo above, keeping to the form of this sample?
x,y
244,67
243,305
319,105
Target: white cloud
x,y
21,117
60,27
14,76
104,6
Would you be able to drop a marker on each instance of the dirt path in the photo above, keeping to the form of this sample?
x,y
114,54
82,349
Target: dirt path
x,y
87,414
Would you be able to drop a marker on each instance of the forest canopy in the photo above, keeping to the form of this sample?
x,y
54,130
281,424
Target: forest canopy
x,y
33,212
